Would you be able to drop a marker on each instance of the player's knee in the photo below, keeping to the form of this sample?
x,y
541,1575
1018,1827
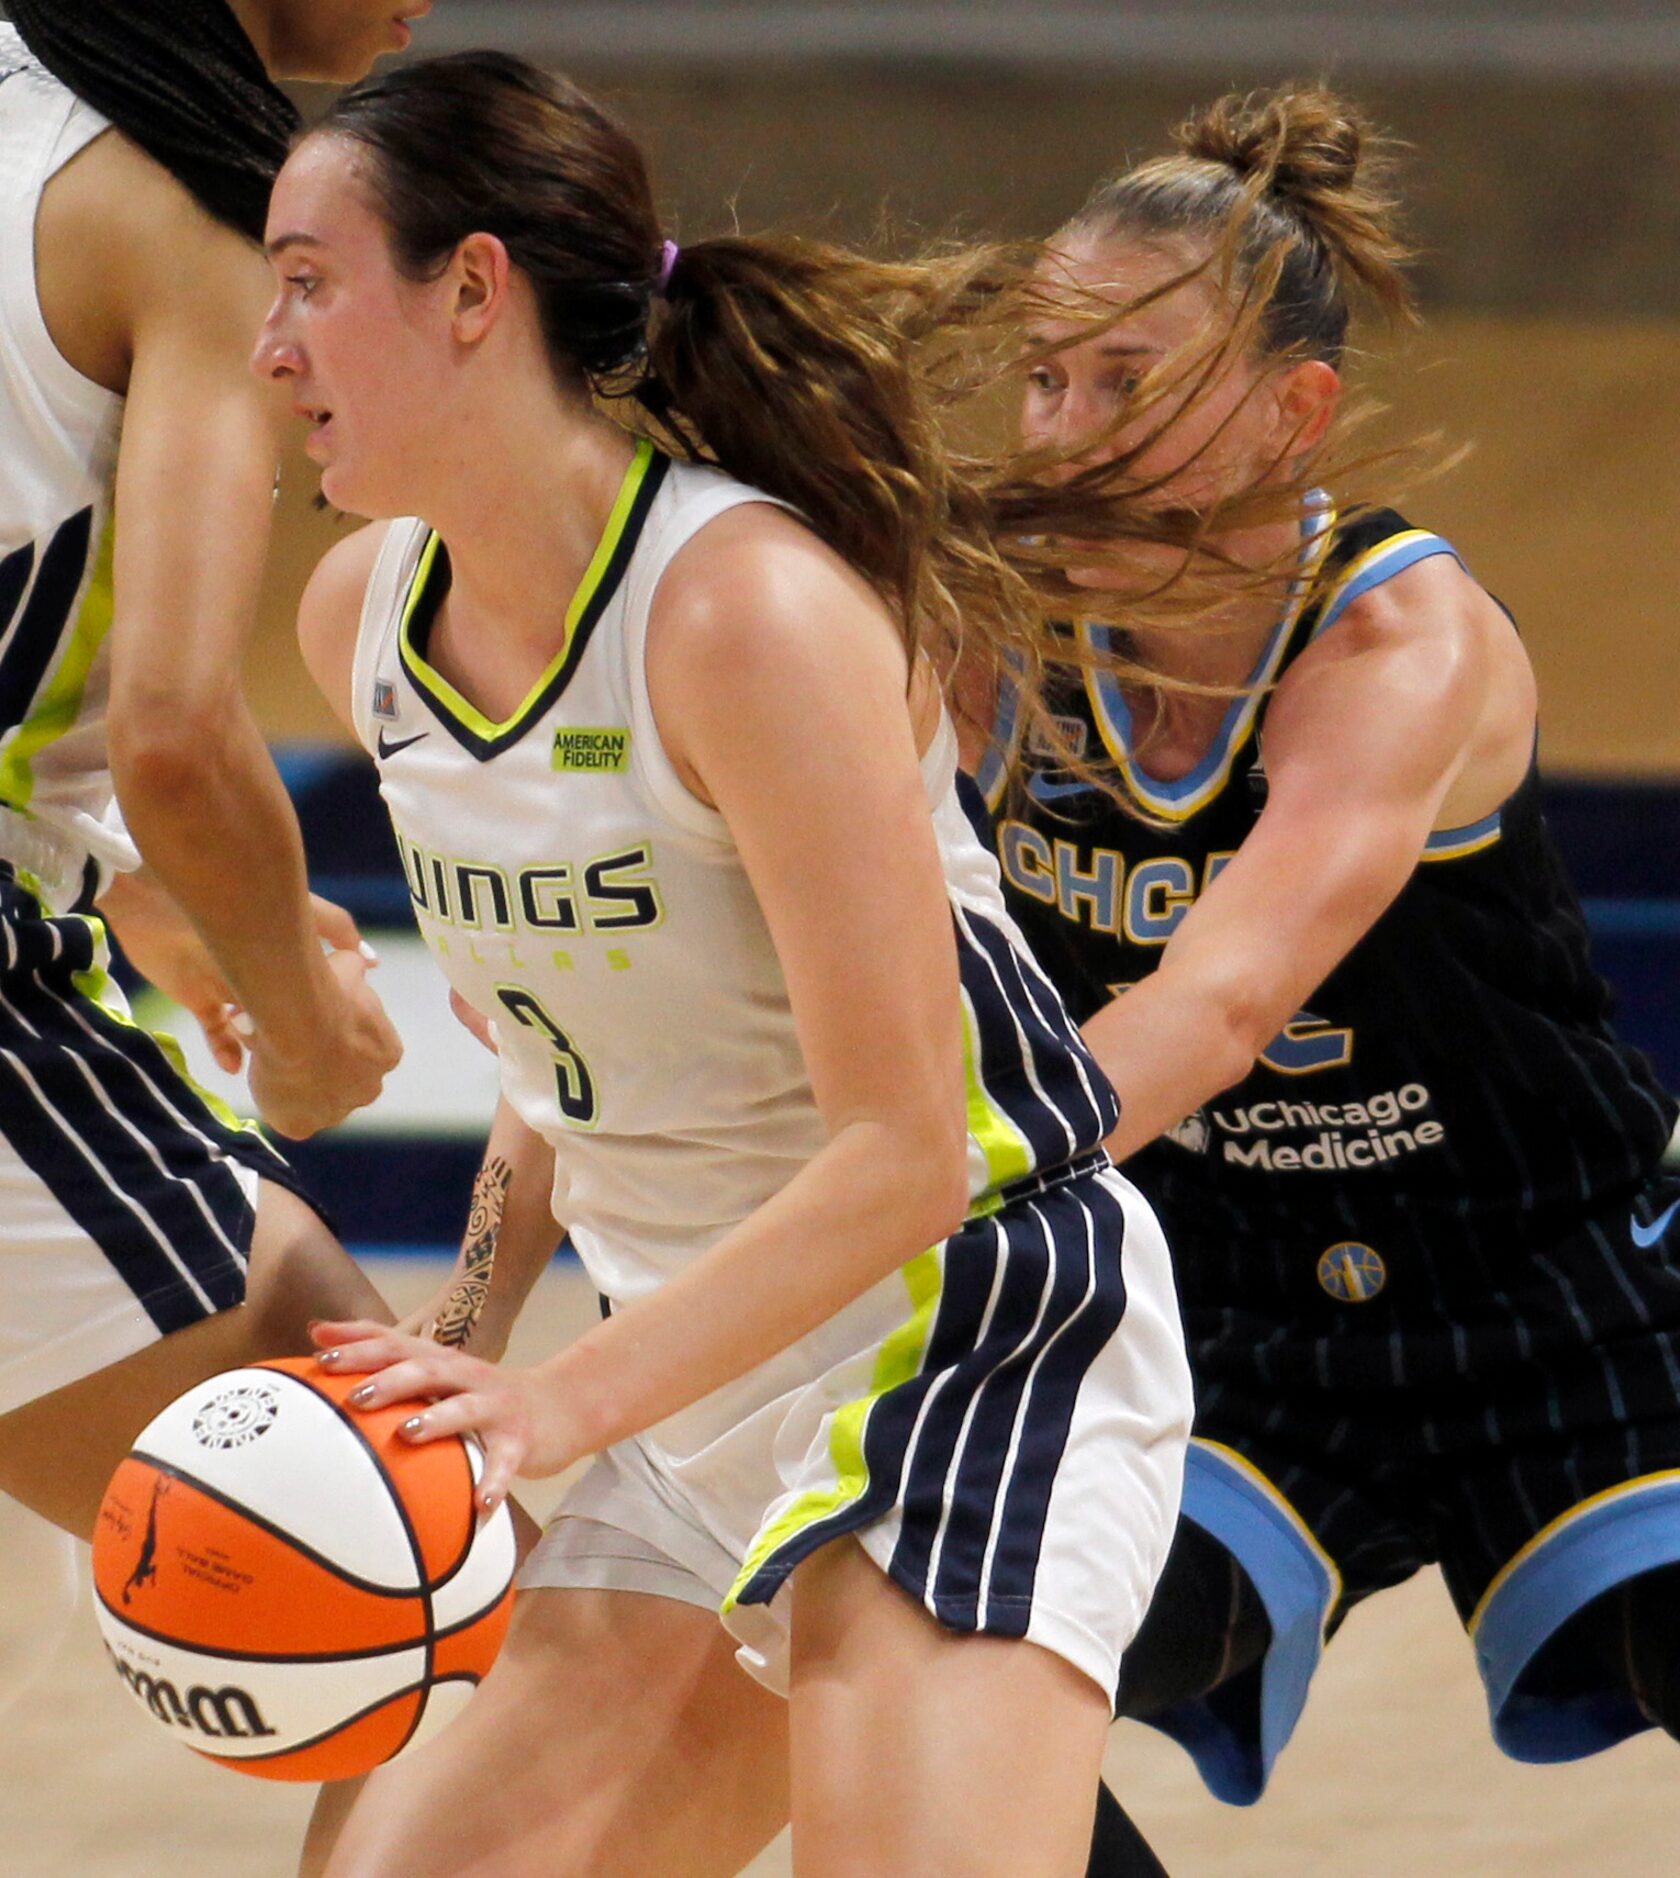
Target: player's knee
x,y
298,1272
1205,1624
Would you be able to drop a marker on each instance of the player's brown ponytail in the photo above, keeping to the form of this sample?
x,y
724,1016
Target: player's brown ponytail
x,y
1299,179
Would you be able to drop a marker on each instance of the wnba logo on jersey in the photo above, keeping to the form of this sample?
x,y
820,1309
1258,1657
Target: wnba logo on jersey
x,y
1352,1273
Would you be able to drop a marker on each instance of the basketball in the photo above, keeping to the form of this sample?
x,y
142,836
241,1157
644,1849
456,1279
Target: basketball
x,y
288,1586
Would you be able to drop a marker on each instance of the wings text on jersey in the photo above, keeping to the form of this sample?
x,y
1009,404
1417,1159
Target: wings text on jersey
x,y
613,893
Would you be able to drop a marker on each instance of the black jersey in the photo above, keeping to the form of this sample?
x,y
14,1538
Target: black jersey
x,y
1459,1063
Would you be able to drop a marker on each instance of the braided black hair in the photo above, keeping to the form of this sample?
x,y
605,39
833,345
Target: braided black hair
x,y
182,79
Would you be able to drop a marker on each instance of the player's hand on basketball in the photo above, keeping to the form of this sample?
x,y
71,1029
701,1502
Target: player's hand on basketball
x,y
517,1416
301,1086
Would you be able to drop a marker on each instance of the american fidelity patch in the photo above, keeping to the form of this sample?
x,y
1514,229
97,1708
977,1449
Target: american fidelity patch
x,y
598,750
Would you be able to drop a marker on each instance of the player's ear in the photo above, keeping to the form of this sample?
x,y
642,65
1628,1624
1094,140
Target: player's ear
x,y
479,276
1307,396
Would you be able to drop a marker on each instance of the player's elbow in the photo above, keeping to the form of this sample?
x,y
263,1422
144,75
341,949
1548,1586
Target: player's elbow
x,y
164,752
932,1154
1242,1017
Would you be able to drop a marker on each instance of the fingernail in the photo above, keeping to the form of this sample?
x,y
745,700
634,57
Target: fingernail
x,y
362,1395
243,1024
368,952
415,1425
329,1357
490,1501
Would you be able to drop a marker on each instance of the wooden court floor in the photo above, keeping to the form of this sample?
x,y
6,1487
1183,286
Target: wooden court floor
x,y
1391,1775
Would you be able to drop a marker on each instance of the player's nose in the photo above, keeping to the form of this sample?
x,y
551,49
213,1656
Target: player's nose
x,y
275,356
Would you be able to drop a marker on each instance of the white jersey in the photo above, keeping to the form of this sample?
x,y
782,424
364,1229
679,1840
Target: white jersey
x,y
58,437
577,892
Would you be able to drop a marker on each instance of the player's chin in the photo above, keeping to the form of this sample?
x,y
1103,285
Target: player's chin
x,y
351,62
345,491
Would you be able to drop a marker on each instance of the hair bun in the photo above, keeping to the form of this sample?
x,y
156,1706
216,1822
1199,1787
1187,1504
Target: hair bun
x,y
1304,142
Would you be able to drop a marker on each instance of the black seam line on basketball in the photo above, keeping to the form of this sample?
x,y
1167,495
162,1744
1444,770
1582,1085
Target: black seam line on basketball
x,y
484,748
429,1635
421,1689
278,1532
473,1530
299,1656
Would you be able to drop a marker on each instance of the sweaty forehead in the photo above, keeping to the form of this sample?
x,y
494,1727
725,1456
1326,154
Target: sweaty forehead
x,y
321,195
1087,275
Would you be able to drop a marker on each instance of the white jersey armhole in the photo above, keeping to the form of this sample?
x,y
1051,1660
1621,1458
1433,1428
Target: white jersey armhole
x,y
383,606
63,128
657,550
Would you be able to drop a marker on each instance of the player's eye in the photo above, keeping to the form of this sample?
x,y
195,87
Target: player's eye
x,y
304,283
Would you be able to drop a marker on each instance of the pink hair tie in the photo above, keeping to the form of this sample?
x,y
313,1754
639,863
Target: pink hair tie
x,y
667,262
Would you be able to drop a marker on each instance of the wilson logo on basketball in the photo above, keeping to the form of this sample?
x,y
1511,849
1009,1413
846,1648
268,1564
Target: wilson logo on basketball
x,y
226,1714
236,1418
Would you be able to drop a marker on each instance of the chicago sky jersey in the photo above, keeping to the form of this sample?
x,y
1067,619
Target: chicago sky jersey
x,y
575,891
58,435
1459,1060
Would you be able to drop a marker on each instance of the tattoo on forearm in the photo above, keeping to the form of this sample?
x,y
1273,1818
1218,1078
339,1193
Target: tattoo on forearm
x,y
455,1321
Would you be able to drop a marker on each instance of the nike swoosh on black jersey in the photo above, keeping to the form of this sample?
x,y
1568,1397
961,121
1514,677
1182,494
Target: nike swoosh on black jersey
x,y
1647,1236
1042,789
388,750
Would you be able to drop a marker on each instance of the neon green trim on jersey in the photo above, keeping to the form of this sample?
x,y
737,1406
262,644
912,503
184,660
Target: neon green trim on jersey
x,y
898,1360
439,687
1008,1152
99,987
60,703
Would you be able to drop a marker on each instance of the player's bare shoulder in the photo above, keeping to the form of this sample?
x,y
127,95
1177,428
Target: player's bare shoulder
x,y
754,578
118,238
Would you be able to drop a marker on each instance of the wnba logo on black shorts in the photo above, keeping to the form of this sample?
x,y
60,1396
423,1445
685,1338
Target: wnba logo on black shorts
x,y
1352,1272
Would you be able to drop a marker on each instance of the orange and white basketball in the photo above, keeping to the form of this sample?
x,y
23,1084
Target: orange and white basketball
x,y
289,1587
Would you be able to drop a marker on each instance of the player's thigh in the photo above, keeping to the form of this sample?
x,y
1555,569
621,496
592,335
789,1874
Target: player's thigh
x,y
58,1452
915,1749
616,1737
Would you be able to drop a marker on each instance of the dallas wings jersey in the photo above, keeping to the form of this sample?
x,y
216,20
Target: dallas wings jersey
x,y
573,889
1458,1062
58,434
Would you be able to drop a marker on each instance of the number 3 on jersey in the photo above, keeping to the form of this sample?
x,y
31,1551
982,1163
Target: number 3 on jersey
x,y
574,1086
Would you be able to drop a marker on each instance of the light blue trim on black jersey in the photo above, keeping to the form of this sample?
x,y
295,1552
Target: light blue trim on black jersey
x,y
1177,800
1588,1551
1379,565
993,772
1453,844
1299,1585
